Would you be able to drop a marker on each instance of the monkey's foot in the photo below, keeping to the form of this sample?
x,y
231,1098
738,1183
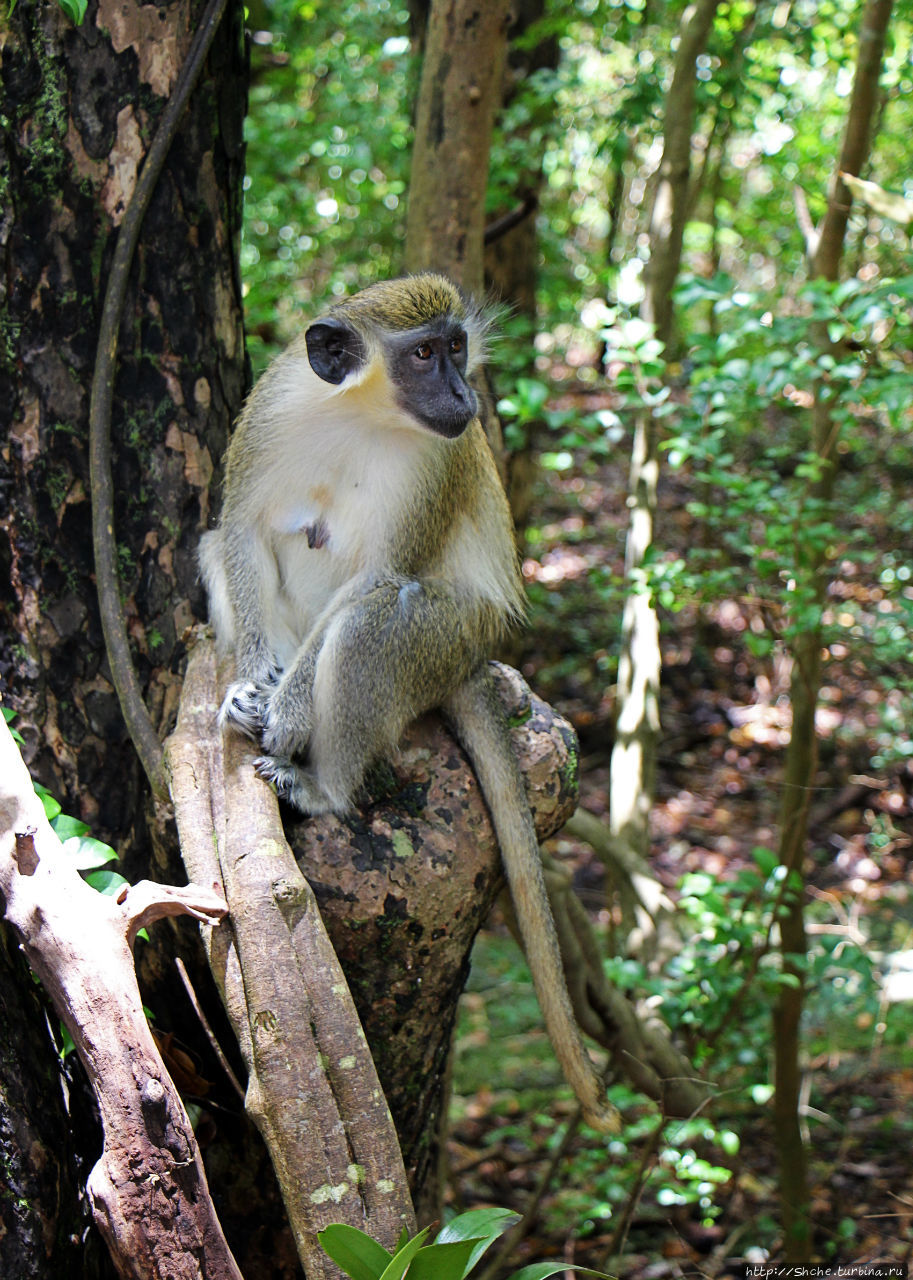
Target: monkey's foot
x,y
244,707
293,784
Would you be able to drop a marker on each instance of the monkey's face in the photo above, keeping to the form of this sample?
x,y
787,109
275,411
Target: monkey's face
x,y
428,370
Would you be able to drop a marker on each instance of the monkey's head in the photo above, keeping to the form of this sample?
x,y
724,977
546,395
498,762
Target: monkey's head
x,y
428,336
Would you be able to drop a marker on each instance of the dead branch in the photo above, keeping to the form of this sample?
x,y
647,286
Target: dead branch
x,y
641,896
148,1190
312,1090
640,1048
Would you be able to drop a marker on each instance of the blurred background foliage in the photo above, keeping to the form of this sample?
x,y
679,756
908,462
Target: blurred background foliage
x,y
741,536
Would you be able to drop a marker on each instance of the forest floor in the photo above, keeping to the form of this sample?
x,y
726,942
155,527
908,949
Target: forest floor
x,y
705,1190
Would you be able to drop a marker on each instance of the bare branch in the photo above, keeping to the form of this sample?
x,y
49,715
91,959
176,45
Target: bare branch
x,y
312,1090
148,1190
810,233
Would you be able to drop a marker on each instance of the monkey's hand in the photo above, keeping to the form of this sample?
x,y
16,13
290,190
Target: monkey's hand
x,y
245,706
294,785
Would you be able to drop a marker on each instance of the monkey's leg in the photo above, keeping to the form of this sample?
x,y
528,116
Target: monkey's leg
x,y
283,709
385,658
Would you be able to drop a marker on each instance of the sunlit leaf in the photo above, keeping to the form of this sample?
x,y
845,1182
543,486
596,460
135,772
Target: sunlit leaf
x,y
51,806
109,883
66,826
88,853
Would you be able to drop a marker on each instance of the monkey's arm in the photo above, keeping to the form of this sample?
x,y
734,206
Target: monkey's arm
x,y
241,578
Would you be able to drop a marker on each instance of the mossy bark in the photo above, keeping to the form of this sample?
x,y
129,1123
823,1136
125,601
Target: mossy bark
x,y
81,105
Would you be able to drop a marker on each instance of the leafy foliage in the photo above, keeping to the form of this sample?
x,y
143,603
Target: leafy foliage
x,y
90,856
454,1253
328,137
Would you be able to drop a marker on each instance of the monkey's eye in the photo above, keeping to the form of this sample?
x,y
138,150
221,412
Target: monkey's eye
x,y
423,351
456,346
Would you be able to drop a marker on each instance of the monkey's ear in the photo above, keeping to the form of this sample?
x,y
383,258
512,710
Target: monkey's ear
x,y
334,350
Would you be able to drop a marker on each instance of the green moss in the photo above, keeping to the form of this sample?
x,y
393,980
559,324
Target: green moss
x,y
49,112
58,485
10,329
521,717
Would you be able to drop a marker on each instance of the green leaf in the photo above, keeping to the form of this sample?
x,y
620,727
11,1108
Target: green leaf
x,y
87,852
109,883
66,1042
74,9
357,1254
540,1270
477,1223
477,1228
51,806
766,859
67,826
450,1261
401,1259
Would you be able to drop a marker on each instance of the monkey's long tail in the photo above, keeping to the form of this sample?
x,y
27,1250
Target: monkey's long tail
x,y
480,724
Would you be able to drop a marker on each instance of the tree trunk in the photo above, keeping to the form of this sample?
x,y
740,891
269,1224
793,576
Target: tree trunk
x,y
802,752
511,266
82,104
465,48
633,765
671,200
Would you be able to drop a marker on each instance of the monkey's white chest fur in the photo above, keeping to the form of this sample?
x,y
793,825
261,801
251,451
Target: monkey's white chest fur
x,y
332,507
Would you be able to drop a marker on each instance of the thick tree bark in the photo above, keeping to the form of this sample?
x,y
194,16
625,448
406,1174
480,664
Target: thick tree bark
x,y
800,769
82,104
465,47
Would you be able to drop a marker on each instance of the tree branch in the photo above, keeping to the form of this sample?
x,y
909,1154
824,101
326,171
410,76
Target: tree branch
x,y
312,1091
148,1190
